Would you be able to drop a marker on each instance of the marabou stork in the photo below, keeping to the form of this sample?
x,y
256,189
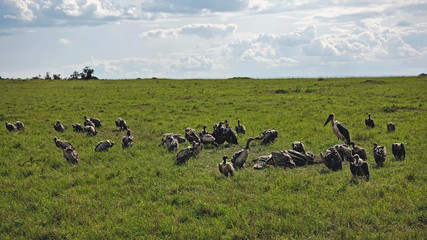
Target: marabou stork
x,y
339,130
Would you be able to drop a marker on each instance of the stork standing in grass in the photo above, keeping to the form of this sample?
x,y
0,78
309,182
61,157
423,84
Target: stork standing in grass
x,y
339,130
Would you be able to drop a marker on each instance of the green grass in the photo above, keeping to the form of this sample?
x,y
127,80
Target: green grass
x,y
140,193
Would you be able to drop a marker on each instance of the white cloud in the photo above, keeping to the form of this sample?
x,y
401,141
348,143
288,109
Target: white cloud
x,y
24,9
64,41
201,30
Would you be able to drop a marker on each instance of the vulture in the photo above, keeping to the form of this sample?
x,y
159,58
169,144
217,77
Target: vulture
x,y
391,127
19,125
262,162
282,159
240,129
61,144
208,140
77,127
184,155
59,127
11,127
398,150
204,132
339,130
104,146
95,121
239,157
369,122
176,136
268,136
127,140
191,135
301,159
380,153
332,159
88,122
172,143
218,133
90,131
358,167
197,148
226,168
359,151
229,134
344,151
299,147
121,124
71,155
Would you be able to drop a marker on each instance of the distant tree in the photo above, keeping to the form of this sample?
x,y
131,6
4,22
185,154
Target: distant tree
x,y
75,75
47,76
87,73
56,76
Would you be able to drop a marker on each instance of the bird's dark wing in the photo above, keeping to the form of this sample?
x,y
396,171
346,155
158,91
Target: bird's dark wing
x,y
344,132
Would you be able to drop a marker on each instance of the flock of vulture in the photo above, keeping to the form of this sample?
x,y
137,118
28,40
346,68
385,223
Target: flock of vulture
x,y
224,133
297,156
89,126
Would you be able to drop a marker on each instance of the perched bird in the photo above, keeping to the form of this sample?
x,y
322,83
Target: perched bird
x,y
127,140
398,150
71,155
191,135
380,153
184,155
11,127
61,144
19,125
369,122
226,168
339,130
77,127
358,167
359,151
391,127
104,146
121,124
239,157
298,146
332,159
90,131
88,122
172,143
240,129
344,151
59,127
268,136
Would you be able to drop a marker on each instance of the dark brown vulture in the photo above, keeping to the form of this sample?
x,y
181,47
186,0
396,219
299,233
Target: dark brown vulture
x,y
127,140
240,129
359,168
103,146
59,127
398,150
369,122
380,153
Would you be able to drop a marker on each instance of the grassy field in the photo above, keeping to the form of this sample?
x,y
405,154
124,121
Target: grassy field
x,y
141,193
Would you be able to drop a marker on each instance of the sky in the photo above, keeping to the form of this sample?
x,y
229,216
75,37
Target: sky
x,y
213,38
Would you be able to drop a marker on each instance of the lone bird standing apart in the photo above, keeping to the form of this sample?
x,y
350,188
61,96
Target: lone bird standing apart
x,y
71,155
380,153
398,150
369,122
240,129
391,127
104,146
339,130
58,126
358,167
225,167
127,140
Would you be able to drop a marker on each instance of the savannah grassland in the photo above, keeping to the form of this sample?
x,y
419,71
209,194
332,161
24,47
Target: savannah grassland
x,y
141,193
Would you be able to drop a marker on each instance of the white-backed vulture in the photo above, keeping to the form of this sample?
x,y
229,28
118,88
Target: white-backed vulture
x,y
358,167
298,146
88,122
391,127
268,136
172,143
19,125
398,150
380,153
59,127
226,168
239,158
369,122
240,129
71,155
332,159
127,140
11,127
184,155
96,121
344,151
77,127
359,151
61,144
191,135
121,124
197,148
103,146
90,131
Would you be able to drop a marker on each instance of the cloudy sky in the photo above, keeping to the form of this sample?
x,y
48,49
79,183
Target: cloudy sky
x,y
213,38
